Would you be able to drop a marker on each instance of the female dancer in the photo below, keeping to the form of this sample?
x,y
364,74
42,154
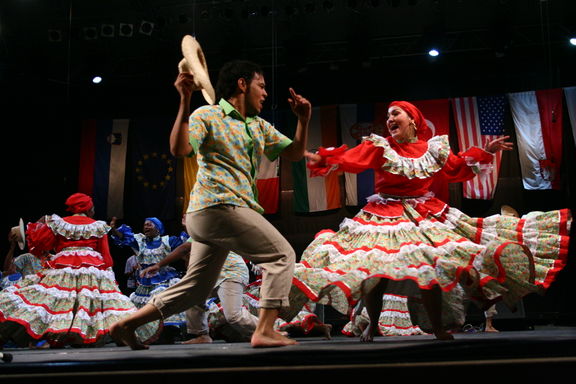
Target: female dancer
x,y
406,241
74,299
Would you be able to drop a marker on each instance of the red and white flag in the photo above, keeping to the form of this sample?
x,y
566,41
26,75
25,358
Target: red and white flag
x,y
538,121
268,184
479,119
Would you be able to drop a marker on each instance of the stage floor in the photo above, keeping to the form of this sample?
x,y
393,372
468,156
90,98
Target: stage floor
x,y
540,353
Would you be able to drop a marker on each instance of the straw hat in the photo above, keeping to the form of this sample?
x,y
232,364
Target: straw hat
x,y
20,234
195,63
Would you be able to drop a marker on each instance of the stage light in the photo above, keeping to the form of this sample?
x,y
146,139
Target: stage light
x,y
573,40
433,52
146,27
54,35
97,79
107,30
90,33
126,30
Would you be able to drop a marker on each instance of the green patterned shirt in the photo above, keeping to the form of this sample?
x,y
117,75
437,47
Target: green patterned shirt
x,y
229,149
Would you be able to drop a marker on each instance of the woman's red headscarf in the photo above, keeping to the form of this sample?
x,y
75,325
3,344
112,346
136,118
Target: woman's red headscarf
x,y
79,203
422,130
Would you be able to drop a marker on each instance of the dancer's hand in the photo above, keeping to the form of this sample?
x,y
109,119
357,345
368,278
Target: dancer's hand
x,y
150,271
312,158
185,84
499,144
300,106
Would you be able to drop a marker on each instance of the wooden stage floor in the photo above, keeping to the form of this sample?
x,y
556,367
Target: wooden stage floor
x,y
526,354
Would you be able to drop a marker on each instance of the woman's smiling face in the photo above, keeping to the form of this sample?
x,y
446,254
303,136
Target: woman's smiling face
x,y
399,124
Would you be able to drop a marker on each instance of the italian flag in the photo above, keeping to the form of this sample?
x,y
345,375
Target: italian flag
x,y
268,185
315,194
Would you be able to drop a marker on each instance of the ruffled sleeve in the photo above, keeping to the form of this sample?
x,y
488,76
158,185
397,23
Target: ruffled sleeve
x,y
360,158
128,238
176,241
468,164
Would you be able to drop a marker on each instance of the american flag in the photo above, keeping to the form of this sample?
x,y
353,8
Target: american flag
x,y
479,119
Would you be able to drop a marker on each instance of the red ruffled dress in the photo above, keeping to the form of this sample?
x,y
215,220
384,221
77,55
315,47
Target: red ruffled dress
x,y
408,236
74,299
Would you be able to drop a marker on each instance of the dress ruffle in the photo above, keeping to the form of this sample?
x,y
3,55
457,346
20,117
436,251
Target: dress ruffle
x,y
77,231
67,306
506,258
422,167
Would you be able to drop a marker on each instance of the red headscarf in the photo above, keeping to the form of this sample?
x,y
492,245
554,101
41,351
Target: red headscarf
x,y
79,203
422,130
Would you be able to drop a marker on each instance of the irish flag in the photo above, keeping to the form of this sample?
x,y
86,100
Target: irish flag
x,y
315,194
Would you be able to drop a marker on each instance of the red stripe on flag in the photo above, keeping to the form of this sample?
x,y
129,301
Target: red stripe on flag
x,y
550,109
328,124
470,135
268,194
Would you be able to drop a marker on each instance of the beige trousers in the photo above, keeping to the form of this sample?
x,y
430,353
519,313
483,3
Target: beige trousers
x,y
216,231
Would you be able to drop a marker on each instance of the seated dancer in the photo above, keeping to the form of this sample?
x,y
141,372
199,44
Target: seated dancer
x,y
150,247
406,241
74,299
16,268
305,323
228,291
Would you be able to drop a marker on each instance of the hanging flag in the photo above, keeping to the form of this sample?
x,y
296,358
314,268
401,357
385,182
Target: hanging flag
x,y
570,94
102,165
537,118
314,194
189,171
437,114
268,185
479,119
151,174
358,121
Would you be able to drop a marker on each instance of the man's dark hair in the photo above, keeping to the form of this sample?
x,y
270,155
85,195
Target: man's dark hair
x,y
229,75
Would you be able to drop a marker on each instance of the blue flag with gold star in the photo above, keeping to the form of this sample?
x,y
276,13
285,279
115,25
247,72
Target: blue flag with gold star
x,y
151,172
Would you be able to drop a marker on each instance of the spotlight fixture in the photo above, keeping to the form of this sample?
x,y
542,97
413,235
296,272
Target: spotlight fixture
x,y
146,27
96,79
89,33
433,52
573,40
54,35
107,30
126,30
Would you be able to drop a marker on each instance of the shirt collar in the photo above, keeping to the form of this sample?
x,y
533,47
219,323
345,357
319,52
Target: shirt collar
x,y
231,111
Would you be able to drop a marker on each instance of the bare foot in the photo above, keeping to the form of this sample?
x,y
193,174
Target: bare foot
x,y
490,328
274,339
368,334
325,329
202,339
123,335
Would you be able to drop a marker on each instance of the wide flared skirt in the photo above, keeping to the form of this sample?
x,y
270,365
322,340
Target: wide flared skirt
x,y
495,258
68,306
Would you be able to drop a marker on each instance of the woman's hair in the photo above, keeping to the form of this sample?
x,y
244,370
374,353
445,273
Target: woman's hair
x,y
229,75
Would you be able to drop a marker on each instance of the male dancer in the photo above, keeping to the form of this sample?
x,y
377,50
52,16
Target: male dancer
x,y
224,215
